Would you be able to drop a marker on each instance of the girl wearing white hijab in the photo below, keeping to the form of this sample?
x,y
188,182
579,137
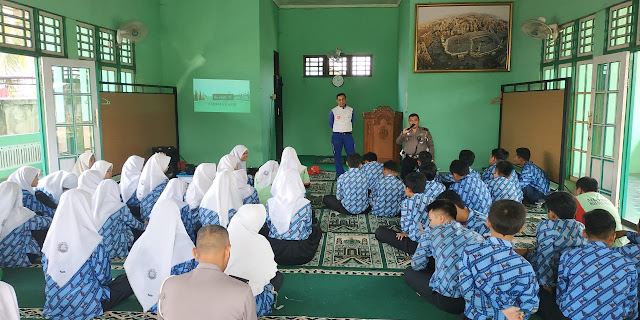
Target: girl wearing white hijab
x,y
8,302
163,250
88,182
289,217
16,224
152,182
27,178
202,180
289,160
246,191
175,191
264,179
251,256
241,152
106,168
221,201
76,264
129,178
113,219
84,162
54,184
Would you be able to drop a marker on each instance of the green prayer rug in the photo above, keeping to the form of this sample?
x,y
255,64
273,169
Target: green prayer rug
x,y
352,250
328,160
333,221
323,176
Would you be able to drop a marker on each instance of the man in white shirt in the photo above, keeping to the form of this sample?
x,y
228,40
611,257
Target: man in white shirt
x,y
341,122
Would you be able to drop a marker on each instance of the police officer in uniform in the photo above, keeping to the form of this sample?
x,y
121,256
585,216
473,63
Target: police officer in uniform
x,y
415,139
341,123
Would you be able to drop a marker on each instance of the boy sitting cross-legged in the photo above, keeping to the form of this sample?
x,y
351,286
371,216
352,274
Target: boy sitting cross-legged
x,y
371,169
387,193
351,195
473,191
471,219
502,186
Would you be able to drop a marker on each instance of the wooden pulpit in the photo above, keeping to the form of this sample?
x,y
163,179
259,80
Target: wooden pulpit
x,y
382,126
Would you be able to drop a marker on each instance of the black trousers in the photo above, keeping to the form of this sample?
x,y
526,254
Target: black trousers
x,y
389,236
549,309
408,165
277,281
296,252
330,201
419,281
120,290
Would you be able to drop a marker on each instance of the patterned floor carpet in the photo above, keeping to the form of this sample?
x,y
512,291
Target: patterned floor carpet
x,y
327,160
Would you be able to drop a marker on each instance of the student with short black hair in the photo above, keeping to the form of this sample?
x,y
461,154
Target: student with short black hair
x,y
351,195
502,186
425,158
497,282
589,199
473,191
469,158
594,281
433,187
371,169
388,193
533,180
471,219
497,155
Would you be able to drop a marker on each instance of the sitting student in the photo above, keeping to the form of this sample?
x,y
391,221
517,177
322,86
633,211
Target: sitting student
x,y
425,158
264,180
252,257
502,186
471,219
289,160
351,195
469,158
387,194
443,241
371,169
8,302
54,184
242,153
594,281
471,189
152,182
113,220
496,282
206,292
27,179
163,250
533,180
106,168
632,249
88,183
16,240
247,192
129,178
76,265
220,198
589,199
497,155
202,181
413,216
85,162
293,239
554,236
175,191
432,188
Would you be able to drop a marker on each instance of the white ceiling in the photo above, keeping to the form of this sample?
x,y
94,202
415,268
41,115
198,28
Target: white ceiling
x,y
335,3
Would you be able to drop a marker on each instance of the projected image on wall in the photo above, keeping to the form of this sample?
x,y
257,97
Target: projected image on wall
x,y
218,95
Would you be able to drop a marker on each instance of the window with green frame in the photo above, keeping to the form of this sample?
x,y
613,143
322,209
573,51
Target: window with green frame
x,y
566,37
51,33
549,49
620,25
16,26
126,76
108,74
107,45
585,36
86,41
126,52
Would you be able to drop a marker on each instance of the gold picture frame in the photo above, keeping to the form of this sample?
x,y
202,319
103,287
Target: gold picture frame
x,y
463,37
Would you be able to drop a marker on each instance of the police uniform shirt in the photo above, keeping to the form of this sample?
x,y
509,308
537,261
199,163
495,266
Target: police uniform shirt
x,y
416,142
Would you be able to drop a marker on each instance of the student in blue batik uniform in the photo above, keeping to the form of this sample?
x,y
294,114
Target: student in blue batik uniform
x,y
77,271
433,188
27,179
502,186
425,158
469,158
341,123
113,220
533,180
443,241
292,237
471,219
631,250
252,258
54,184
413,216
554,236
594,281
164,249
175,191
387,193
16,225
202,181
497,283
152,182
371,169
471,189
129,178
247,192
351,195
221,201
497,155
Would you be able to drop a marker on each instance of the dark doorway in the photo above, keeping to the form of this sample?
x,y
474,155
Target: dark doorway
x,y
277,89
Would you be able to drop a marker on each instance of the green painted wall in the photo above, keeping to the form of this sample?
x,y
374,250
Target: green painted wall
x,y
307,101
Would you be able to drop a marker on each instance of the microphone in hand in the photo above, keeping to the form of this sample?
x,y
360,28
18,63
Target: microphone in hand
x,y
410,127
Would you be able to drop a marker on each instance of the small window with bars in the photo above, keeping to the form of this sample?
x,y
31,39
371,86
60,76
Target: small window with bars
x,y
109,75
126,52
566,38
361,66
549,49
585,36
314,66
16,26
51,39
338,67
86,41
107,45
620,18
549,73
126,76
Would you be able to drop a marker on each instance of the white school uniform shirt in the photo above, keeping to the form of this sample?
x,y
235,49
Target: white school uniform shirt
x,y
342,119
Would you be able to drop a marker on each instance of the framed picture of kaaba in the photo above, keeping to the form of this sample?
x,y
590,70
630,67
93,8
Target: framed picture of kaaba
x,y
460,37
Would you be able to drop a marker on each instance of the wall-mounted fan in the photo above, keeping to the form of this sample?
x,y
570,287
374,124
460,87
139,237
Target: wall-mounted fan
x,y
539,29
133,30
335,55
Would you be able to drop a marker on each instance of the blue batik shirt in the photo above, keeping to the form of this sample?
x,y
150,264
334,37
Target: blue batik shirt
x,y
189,221
553,237
117,234
146,205
80,298
264,300
533,176
299,228
596,282
47,194
386,196
210,218
352,191
372,172
252,199
19,242
631,251
487,174
448,177
414,215
477,222
178,269
445,244
473,192
30,202
433,189
504,188
494,277
133,200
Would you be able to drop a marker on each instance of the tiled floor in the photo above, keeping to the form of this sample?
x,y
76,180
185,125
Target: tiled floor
x,y
633,198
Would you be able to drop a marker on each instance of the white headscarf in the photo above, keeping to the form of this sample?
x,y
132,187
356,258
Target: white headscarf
x,y
175,191
228,162
8,302
288,197
238,151
222,196
164,244
82,164
251,255
24,177
289,160
152,174
106,202
267,173
202,180
72,237
244,189
12,213
130,176
55,183
102,166
89,181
